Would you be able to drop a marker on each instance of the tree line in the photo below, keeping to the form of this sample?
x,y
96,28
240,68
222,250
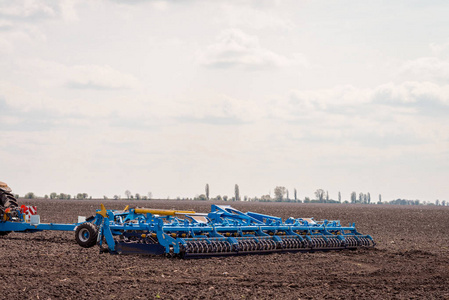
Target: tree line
x,y
280,194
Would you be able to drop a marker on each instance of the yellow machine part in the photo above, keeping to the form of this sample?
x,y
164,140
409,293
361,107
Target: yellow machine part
x,y
5,187
162,212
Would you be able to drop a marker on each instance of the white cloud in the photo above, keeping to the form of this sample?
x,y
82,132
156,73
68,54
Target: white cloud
x,y
35,9
426,68
234,48
250,17
54,74
422,96
100,77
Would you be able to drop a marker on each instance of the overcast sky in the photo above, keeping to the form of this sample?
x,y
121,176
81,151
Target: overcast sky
x,y
166,96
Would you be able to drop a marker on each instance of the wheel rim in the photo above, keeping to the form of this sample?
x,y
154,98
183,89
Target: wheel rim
x,y
84,235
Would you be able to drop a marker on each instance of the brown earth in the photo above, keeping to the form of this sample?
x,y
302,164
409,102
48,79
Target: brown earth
x,y
410,261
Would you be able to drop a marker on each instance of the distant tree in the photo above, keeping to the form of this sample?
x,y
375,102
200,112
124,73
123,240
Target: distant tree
x,y
327,196
368,197
202,197
237,192
116,197
443,203
319,194
45,197
30,195
361,198
218,198
79,196
138,197
306,200
105,197
339,197
279,193
207,191
265,198
85,196
380,199
295,195
53,195
150,195
128,194
353,197
225,198
437,202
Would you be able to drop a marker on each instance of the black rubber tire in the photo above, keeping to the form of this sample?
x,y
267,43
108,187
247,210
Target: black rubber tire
x,y
7,200
86,235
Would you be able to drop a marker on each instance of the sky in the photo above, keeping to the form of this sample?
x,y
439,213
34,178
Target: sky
x,y
165,96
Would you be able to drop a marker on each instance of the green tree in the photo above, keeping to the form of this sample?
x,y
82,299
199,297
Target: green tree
x,y
30,195
128,194
237,192
53,195
138,197
279,193
353,197
319,193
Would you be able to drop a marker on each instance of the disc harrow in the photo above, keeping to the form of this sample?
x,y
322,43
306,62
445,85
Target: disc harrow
x,y
223,231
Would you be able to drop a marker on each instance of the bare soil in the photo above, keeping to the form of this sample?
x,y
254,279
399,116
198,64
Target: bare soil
x,y
410,261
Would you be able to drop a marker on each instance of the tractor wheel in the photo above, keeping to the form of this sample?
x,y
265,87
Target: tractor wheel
x,y
7,200
86,235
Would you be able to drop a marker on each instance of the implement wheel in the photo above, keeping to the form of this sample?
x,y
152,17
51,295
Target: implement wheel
x,y
86,235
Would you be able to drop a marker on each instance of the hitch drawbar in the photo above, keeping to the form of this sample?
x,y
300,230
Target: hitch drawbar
x,y
222,231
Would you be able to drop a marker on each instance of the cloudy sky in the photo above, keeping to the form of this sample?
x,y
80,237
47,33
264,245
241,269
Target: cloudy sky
x,y
166,96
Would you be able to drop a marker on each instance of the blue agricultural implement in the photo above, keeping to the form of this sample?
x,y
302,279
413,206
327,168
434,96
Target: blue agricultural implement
x,y
223,231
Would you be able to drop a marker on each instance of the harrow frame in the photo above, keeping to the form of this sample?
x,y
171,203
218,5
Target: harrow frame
x,y
223,231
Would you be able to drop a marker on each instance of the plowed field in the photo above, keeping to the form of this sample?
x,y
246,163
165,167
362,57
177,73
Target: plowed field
x,y
411,260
